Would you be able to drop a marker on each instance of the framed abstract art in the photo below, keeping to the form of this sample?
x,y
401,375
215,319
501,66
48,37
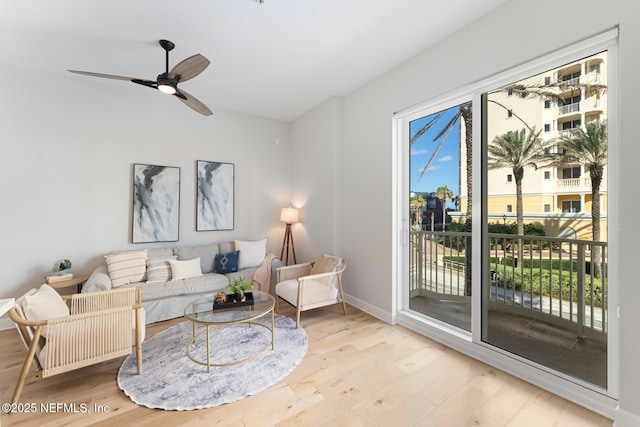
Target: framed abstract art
x,y
156,203
214,205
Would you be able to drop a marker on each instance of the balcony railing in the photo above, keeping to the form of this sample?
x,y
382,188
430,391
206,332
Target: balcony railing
x,y
560,281
572,82
581,182
570,108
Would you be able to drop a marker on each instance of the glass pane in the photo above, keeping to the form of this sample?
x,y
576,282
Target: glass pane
x,y
440,206
545,288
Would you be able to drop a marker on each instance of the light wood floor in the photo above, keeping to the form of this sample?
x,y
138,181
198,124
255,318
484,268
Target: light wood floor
x,y
358,371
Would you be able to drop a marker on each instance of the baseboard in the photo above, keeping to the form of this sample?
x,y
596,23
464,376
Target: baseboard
x,y
626,419
369,309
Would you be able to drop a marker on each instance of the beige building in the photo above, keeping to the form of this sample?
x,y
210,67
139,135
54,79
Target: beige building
x,y
558,198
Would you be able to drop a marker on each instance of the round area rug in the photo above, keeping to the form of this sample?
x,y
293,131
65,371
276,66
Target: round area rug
x,y
171,381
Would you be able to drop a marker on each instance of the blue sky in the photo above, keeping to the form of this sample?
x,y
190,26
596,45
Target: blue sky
x,y
445,167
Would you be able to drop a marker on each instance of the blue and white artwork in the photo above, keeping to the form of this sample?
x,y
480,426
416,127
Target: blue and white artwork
x,y
215,196
156,203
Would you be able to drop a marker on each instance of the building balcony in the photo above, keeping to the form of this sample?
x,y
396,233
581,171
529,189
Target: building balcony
x,y
582,182
569,109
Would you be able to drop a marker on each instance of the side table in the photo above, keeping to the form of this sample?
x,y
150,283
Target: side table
x,y
74,281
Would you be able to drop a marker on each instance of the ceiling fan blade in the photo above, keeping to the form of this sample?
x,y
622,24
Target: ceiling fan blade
x,y
189,68
193,102
105,76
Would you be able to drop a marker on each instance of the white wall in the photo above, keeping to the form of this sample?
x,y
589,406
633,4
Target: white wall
x,y
512,34
68,144
314,140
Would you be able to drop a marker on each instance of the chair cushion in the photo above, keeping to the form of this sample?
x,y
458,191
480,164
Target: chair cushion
x,y
288,291
127,267
185,269
251,252
227,263
159,269
325,264
44,304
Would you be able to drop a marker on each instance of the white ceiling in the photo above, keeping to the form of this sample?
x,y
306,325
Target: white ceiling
x,y
277,59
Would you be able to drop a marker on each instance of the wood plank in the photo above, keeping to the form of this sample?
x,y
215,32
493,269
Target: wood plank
x,y
358,371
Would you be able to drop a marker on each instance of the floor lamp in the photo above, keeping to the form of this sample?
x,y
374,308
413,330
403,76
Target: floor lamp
x,y
288,216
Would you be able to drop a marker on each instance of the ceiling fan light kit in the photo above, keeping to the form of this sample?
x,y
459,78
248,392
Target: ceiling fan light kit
x,y
167,82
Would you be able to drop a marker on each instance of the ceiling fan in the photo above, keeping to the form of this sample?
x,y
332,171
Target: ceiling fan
x,y
167,82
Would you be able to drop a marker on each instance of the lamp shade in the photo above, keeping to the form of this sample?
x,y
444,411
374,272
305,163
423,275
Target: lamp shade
x,y
289,215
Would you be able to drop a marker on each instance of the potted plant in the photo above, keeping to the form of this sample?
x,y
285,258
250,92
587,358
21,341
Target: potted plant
x,y
238,288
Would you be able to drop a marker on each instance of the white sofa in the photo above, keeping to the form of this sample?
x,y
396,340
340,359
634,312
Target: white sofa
x,y
164,296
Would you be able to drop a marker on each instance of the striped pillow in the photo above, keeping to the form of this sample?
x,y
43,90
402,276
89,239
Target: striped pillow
x,y
127,267
159,269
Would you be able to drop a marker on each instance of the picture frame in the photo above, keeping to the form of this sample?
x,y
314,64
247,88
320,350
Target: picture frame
x,y
215,196
156,203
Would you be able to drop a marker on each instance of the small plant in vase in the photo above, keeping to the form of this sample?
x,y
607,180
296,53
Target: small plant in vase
x,y
238,287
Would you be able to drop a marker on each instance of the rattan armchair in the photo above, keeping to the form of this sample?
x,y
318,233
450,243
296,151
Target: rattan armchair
x,y
299,286
101,326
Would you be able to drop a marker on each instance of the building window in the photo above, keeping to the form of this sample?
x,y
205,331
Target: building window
x,y
547,127
509,208
510,113
571,124
547,81
571,206
509,177
547,207
547,175
569,173
547,104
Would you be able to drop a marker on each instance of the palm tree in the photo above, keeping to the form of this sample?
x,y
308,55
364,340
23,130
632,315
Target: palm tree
x,y
518,150
417,203
443,193
589,147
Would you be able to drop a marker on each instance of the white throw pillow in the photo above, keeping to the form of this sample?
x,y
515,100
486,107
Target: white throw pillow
x,y
127,267
159,269
185,269
45,304
251,252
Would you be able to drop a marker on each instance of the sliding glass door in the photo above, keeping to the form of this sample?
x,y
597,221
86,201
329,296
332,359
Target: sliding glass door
x,y
519,165
545,287
440,214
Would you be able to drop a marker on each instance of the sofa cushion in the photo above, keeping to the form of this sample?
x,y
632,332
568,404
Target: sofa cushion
x,y
206,253
159,269
160,252
44,304
185,269
245,273
127,267
252,252
226,247
227,263
207,283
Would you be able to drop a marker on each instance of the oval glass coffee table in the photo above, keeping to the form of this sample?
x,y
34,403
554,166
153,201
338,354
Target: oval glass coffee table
x,y
201,312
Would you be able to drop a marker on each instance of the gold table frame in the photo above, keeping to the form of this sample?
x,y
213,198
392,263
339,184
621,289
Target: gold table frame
x,y
197,312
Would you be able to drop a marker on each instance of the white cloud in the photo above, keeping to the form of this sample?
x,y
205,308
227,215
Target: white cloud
x,y
415,151
445,159
431,168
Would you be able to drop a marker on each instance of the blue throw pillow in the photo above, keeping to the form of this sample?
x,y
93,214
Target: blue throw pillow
x,y
227,263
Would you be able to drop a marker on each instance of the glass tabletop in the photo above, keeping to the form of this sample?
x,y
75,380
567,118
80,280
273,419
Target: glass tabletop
x,y
201,310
